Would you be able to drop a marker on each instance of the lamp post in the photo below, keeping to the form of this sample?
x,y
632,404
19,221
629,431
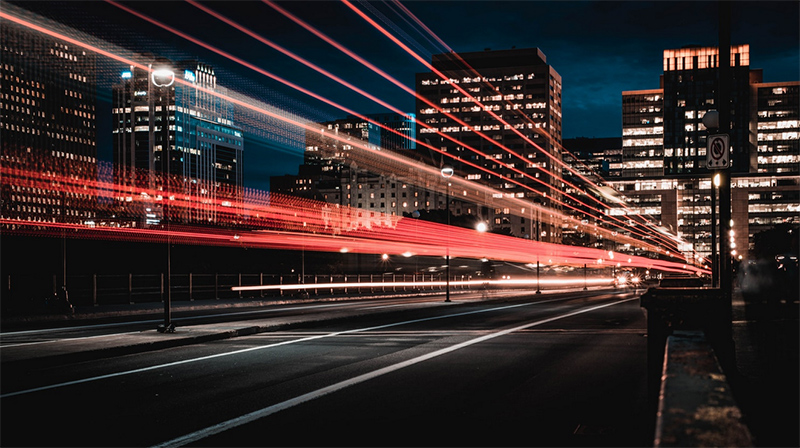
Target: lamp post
x,y
720,123
415,214
162,78
538,291
714,260
447,173
482,227
584,278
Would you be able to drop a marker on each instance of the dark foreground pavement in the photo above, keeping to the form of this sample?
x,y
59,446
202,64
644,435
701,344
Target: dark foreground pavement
x,y
766,335
767,382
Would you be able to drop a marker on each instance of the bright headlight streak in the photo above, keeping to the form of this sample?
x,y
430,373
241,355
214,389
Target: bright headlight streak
x,y
393,284
113,56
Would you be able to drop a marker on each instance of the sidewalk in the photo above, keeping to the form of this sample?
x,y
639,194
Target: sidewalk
x,y
92,348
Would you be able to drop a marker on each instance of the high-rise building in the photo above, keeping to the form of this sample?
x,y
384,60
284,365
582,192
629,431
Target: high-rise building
x,y
168,132
329,173
593,156
595,159
500,110
664,173
393,132
778,106
642,133
47,126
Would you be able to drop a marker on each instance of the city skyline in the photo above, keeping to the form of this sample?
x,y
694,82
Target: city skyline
x,y
595,53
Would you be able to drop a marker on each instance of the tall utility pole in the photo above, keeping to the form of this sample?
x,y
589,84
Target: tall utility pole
x,y
714,262
162,78
724,108
447,173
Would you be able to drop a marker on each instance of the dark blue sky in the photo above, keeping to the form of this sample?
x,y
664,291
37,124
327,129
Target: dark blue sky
x,y
599,48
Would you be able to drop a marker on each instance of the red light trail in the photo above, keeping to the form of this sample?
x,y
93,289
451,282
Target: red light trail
x,y
264,72
296,216
490,112
394,81
316,226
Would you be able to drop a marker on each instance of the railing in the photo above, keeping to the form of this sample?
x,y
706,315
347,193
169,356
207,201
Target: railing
x,y
118,289
25,292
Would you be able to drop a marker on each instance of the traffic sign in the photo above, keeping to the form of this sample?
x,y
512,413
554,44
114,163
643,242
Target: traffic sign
x,y
718,154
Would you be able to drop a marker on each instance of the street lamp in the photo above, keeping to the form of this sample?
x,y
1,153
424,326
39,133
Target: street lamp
x,y
447,173
416,214
162,78
714,261
538,291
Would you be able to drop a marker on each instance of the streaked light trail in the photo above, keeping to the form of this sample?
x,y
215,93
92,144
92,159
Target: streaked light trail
x,y
270,217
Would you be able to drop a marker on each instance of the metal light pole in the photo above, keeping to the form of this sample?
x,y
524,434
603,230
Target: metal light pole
x,y
727,351
447,173
162,78
584,277
718,124
725,274
714,260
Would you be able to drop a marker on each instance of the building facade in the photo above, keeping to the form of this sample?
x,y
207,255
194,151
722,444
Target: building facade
x,y
176,136
48,128
329,174
325,152
500,111
664,173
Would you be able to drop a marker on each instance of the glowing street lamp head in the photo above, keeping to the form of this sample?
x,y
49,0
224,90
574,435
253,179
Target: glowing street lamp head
x,y
481,227
447,171
162,77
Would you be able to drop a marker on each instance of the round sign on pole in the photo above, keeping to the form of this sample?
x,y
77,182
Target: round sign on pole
x,y
718,154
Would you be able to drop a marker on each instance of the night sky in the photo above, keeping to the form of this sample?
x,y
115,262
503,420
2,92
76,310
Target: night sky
x,y
599,48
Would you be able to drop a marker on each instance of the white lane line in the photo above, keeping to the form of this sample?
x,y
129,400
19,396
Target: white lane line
x,y
261,413
262,347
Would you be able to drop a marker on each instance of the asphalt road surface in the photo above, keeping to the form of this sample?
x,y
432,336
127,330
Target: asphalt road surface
x,y
534,370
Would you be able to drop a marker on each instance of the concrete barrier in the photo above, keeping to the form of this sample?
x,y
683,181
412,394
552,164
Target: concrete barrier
x,y
676,309
696,406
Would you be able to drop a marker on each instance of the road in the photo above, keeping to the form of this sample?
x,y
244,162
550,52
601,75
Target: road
x,y
560,370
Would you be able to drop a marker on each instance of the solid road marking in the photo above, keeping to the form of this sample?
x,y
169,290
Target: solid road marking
x,y
261,413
